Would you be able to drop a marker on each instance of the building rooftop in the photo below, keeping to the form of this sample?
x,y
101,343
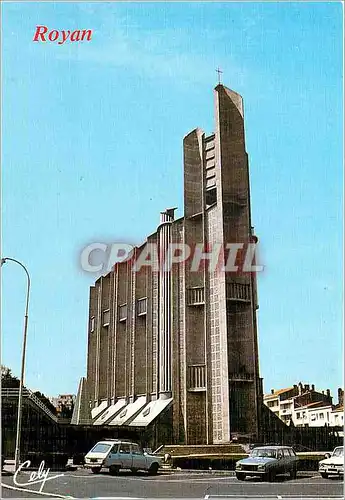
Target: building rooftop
x,y
316,404
278,392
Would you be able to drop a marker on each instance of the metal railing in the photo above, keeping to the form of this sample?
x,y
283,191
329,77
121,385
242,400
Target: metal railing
x,y
158,449
14,393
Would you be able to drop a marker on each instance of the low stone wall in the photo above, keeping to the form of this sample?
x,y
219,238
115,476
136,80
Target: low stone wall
x,y
309,461
199,450
306,461
53,460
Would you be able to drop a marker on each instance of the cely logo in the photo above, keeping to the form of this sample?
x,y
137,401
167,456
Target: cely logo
x,y
42,34
39,477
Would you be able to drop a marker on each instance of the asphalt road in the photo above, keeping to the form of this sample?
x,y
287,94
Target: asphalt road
x,y
207,485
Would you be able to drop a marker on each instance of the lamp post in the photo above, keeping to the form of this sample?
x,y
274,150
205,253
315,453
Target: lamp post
x,y
20,398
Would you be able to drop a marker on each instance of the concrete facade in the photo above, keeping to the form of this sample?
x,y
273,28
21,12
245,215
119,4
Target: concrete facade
x,y
185,341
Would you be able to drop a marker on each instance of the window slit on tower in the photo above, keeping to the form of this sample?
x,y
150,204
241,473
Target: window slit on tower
x,y
123,312
142,306
211,197
106,317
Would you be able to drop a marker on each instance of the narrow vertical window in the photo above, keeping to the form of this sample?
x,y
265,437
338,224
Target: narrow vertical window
x,y
142,306
92,324
123,312
106,317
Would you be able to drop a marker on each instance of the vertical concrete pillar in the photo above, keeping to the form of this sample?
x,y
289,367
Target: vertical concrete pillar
x,y
165,301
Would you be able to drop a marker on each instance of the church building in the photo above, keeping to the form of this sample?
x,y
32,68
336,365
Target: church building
x,y
175,349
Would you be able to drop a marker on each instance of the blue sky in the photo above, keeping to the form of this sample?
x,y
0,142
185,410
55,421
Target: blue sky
x,y
92,151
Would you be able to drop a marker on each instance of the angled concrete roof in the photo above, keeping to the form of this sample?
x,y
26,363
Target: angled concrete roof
x,y
82,411
130,411
95,412
110,413
150,412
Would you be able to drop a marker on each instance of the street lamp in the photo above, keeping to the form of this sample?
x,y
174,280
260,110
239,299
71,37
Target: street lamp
x,y
20,398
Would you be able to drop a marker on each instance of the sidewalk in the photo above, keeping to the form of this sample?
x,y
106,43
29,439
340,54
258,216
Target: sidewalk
x,y
8,467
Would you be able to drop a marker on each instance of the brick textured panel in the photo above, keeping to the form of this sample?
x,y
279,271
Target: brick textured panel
x,y
196,430
218,338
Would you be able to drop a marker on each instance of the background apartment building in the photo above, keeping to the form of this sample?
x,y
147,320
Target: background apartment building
x,y
320,413
178,350
64,404
303,406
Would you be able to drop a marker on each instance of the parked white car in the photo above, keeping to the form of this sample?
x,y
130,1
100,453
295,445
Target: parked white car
x,y
333,464
120,454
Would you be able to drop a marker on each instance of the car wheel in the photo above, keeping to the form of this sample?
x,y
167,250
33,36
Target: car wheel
x,y
96,470
153,469
114,470
324,475
134,470
240,476
269,476
293,473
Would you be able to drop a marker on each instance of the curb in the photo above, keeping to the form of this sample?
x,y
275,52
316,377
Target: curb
x,y
9,469
223,472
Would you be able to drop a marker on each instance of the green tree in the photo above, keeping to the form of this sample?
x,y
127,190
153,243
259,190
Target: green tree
x,y
46,401
8,380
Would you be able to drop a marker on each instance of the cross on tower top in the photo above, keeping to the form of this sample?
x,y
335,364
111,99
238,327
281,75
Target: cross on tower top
x,y
219,71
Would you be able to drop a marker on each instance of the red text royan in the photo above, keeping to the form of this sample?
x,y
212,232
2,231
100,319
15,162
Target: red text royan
x,y
42,34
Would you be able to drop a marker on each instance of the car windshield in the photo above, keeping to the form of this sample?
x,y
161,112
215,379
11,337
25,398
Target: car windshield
x,y
338,452
101,448
264,452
